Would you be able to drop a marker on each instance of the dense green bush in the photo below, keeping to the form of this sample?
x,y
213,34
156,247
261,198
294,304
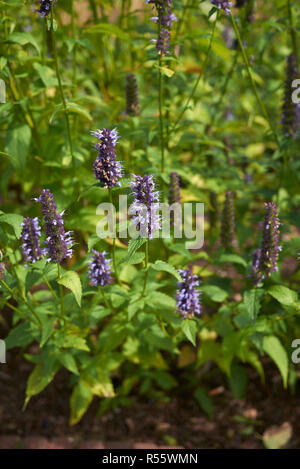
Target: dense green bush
x,y
213,108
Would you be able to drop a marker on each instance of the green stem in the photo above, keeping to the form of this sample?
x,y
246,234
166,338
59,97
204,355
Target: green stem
x,y
146,265
161,120
105,299
50,288
246,61
292,28
114,244
23,299
201,74
61,290
62,91
74,35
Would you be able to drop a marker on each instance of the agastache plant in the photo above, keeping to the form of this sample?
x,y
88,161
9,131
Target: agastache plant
x,y
30,237
227,221
223,4
188,297
45,7
99,269
145,205
132,96
290,116
164,18
270,241
108,171
58,241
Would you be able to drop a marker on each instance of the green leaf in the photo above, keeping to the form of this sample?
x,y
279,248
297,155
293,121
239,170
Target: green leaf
x,y
252,302
46,74
14,220
234,258
161,300
214,293
284,295
80,401
165,267
22,39
189,328
47,330
136,258
17,143
110,29
277,436
205,401
20,336
133,246
71,108
273,347
39,378
68,361
71,280
238,381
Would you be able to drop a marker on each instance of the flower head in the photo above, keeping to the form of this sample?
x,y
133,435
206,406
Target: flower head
x,y
30,236
223,4
58,241
227,221
165,17
108,171
290,116
99,269
270,241
132,96
188,297
45,7
145,205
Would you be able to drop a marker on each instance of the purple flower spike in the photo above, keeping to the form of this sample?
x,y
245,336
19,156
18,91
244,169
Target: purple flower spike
x,y
132,96
188,298
165,18
270,242
108,171
58,241
145,205
255,272
223,4
99,270
30,236
45,7
290,116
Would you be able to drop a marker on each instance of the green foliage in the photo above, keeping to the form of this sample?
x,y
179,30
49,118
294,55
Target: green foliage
x,y
215,121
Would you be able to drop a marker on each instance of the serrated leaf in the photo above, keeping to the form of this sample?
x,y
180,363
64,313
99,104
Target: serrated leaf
x,y
22,38
17,143
14,220
284,295
71,280
189,328
214,293
252,302
165,267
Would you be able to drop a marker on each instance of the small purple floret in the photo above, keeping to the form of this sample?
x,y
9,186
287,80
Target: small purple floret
x,y
188,297
30,237
99,270
108,171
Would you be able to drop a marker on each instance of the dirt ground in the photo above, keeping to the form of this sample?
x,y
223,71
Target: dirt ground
x,y
238,423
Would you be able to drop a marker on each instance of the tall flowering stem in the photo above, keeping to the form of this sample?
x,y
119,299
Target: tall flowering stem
x,y
188,297
174,189
30,237
292,28
290,116
270,241
145,206
61,90
59,242
227,221
114,243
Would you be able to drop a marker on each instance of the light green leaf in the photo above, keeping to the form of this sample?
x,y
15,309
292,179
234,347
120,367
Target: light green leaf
x,y
13,220
110,29
273,347
22,38
284,295
80,401
234,258
17,143
214,293
71,280
189,328
164,266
